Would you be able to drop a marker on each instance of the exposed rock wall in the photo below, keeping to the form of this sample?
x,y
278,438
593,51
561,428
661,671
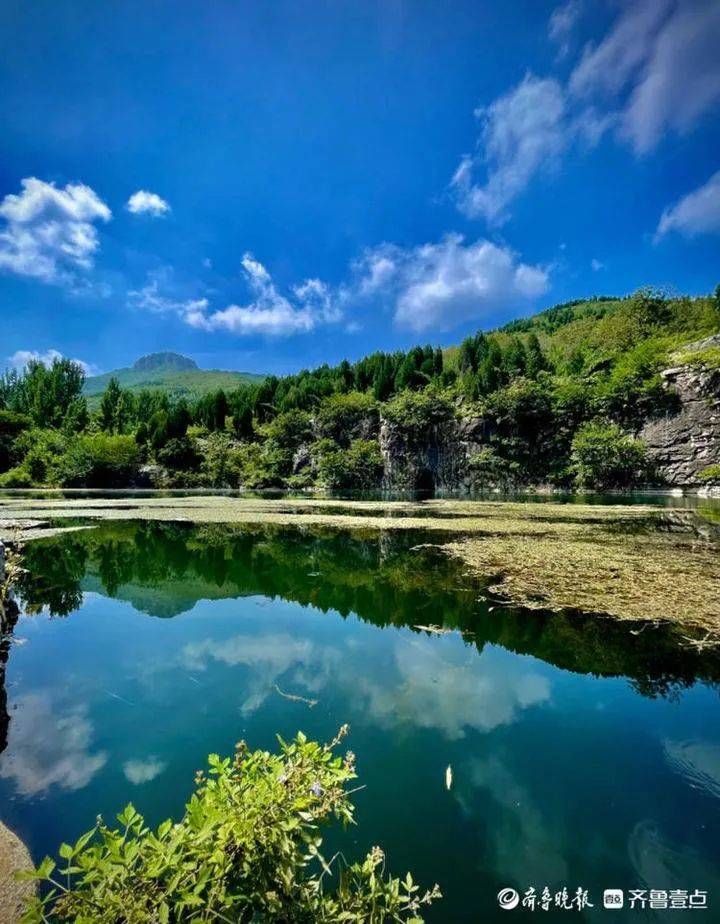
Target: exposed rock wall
x,y
683,443
438,461
680,444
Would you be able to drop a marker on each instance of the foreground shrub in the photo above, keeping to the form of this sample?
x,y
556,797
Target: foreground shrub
x,y
11,426
604,456
99,460
17,477
247,848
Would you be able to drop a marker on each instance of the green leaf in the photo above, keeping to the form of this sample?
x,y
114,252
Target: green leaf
x,y
44,871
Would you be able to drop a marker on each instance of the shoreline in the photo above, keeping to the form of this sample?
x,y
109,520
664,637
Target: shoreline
x,y
14,857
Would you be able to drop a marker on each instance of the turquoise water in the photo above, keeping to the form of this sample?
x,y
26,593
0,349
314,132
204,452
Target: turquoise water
x,y
584,753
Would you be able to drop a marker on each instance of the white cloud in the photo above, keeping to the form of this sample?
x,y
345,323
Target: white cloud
x,y
269,312
659,64
143,202
696,213
48,233
50,747
608,66
697,762
523,133
151,297
138,772
265,657
656,70
20,359
437,687
596,265
562,22
440,285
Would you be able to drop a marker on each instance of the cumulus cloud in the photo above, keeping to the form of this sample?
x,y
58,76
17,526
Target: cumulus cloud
x,y
48,232
443,284
522,132
696,213
659,65
269,312
20,359
143,202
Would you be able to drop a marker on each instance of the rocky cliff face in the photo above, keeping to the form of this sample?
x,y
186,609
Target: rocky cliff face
x,y
683,443
439,461
680,444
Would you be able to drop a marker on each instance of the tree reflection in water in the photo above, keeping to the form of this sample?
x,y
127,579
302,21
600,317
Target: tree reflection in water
x,y
163,569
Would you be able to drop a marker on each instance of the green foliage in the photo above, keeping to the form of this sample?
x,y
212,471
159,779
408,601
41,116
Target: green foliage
x,y
359,466
633,389
604,456
708,358
117,408
77,416
289,429
44,393
98,460
221,461
491,470
263,465
211,411
524,426
711,474
247,848
418,413
11,426
179,453
533,384
39,452
171,424
342,416
17,477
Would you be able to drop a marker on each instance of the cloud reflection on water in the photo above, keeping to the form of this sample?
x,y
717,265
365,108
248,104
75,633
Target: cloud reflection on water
x,y
49,745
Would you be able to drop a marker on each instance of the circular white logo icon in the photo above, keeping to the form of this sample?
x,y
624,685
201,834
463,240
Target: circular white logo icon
x,y
508,899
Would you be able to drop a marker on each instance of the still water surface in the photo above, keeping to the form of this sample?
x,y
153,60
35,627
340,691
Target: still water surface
x,y
584,752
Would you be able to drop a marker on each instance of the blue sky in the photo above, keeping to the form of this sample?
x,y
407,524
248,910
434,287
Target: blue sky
x,y
271,185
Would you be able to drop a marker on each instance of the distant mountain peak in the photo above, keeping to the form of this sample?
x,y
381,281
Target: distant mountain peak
x,y
166,360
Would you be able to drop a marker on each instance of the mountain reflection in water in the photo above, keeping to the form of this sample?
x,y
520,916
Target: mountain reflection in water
x,y
163,569
584,750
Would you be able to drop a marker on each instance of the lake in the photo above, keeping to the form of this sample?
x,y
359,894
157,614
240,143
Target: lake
x,y
585,752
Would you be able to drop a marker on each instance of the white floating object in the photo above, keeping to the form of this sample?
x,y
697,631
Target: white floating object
x,y
448,777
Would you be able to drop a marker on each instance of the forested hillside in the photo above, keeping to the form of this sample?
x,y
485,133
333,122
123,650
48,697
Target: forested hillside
x,y
177,376
558,398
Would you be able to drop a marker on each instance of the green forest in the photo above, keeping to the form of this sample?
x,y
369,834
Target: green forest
x,y
558,398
